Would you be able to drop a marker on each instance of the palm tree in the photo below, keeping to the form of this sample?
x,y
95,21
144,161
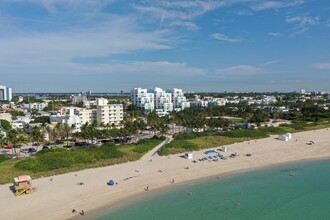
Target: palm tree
x,y
37,135
57,133
1,140
48,130
67,130
16,138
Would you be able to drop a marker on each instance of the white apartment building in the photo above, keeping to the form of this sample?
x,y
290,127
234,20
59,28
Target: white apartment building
x,y
163,100
199,103
112,114
143,98
86,115
67,116
104,114
217,102
159,100
179,100
37,106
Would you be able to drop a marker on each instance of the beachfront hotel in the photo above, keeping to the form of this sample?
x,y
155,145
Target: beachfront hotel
x,y
5,93
112,114
159,100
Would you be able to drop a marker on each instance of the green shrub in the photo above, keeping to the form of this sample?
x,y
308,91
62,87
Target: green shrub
x,y
275,130
177,146
3,158
245,133
50,160
109,150
143,146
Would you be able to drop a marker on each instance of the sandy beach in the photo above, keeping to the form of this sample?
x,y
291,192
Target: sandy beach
x,y
55,197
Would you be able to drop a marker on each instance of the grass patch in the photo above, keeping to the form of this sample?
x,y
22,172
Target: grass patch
x,y
59,160
195,141
143,146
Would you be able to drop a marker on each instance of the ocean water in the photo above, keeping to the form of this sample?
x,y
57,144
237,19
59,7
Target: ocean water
x,y
291,191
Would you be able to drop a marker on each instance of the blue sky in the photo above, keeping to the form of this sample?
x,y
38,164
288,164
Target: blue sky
x,y
210,45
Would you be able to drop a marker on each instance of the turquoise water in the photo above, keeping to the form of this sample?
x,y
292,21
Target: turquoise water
x,y
292,191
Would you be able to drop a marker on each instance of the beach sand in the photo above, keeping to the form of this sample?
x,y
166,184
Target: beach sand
x,y
55,197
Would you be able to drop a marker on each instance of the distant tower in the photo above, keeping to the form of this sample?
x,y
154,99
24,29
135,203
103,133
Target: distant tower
x,y
5,93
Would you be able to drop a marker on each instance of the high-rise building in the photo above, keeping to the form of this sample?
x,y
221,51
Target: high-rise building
x,y
5,93
159,100
143,98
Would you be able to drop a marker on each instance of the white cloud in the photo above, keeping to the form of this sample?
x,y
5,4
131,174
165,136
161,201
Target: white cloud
x,y
186,24
155,68
274,34
176,12
303,20
322,66
118,36
270,62
302,23
134,68
224,38
239,70
265,5
54,52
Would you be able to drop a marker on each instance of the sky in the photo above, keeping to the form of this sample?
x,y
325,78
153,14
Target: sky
x,y
210,45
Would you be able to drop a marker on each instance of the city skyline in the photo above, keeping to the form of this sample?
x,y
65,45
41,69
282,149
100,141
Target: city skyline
x,y
211,46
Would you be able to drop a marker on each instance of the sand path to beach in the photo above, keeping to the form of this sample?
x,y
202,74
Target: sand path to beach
x,y
55,199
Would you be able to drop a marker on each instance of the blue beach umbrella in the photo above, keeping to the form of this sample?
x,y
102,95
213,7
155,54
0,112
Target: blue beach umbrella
x,y
111,182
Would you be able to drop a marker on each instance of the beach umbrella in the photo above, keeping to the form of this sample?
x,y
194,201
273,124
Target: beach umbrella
x,y
111,182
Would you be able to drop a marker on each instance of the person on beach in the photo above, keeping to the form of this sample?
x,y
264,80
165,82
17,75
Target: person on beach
x,y
82,212
73,211
172,181
147,188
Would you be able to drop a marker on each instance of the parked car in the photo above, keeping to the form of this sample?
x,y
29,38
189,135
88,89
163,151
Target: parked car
x,y
8,147
32,150
47,147
25,150
82,144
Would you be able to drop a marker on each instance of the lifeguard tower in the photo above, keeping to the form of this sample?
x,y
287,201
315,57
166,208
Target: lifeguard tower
x,y
23,185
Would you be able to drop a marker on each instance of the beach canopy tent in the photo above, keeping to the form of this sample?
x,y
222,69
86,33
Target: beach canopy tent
x,y
111,182
188,155
285,137
224,148
210,152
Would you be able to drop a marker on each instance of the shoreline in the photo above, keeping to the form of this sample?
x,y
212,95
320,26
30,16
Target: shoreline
x,y
111,206
56,196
